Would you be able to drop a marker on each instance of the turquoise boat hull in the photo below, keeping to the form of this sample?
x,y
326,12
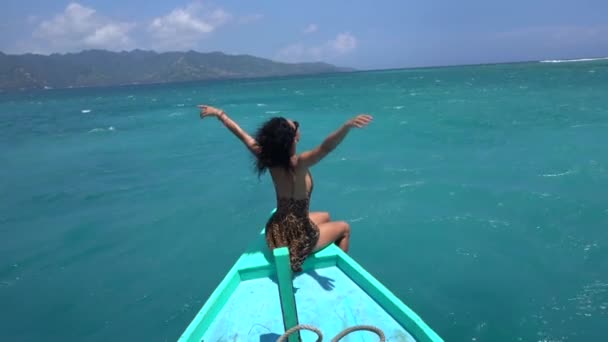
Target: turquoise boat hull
x,y
259,299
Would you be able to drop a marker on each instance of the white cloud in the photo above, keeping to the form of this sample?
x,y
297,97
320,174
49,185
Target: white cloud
x,y
310,29
342,44
79,27
183,27
108,35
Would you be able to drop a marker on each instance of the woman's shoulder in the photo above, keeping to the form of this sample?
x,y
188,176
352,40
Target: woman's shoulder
x,y
299,166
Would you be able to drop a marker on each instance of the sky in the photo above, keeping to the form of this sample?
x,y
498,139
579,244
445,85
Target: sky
x,y
361,34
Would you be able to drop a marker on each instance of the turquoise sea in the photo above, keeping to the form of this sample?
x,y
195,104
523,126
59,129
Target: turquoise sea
x,y
478,196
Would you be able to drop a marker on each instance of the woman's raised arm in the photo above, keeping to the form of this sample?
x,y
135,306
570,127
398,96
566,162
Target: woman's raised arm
x,y
311,157
231,125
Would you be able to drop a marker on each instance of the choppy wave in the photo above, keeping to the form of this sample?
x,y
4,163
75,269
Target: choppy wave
x,y
573,60
403,169
489,222
408,185
465,252
558,174
589,125
591,299
96,130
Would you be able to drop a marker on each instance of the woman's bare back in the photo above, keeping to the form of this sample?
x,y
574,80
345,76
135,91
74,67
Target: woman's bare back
x,y
297,185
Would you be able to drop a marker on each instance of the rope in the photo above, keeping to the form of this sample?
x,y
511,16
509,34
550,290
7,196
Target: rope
x,y
338,337
301,327
360,327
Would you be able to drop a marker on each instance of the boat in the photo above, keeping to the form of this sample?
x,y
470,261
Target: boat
x,y
261,300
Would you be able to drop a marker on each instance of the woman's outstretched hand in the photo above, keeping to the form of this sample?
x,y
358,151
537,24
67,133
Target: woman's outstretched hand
x,y
359,121
209,111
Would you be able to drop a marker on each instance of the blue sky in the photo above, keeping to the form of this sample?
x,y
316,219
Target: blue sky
x,y
360,34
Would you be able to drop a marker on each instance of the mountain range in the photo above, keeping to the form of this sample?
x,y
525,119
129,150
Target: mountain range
x,y
106,68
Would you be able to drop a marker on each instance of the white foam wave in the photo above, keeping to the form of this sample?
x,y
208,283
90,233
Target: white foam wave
x,y
84,111
456,101
95,130
272,111
180,105
591,299
589,125
261,105
176,114
467,253
391,169
407,185
492,222
573,60
558,174
398,107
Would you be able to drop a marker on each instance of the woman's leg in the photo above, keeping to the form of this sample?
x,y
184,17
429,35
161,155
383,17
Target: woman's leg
x,y
337,232
319,217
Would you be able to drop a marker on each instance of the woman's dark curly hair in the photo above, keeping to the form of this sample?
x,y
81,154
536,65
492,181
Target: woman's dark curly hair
x,y
275,139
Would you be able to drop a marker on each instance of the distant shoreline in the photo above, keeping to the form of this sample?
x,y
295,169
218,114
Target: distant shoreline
x,y
329,71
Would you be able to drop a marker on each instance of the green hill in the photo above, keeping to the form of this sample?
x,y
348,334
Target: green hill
x,y
104,68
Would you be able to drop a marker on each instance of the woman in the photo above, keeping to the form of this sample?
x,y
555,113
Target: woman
x,y
274,147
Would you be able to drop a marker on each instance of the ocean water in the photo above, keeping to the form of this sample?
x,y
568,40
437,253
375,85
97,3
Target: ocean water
x,y
478,196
